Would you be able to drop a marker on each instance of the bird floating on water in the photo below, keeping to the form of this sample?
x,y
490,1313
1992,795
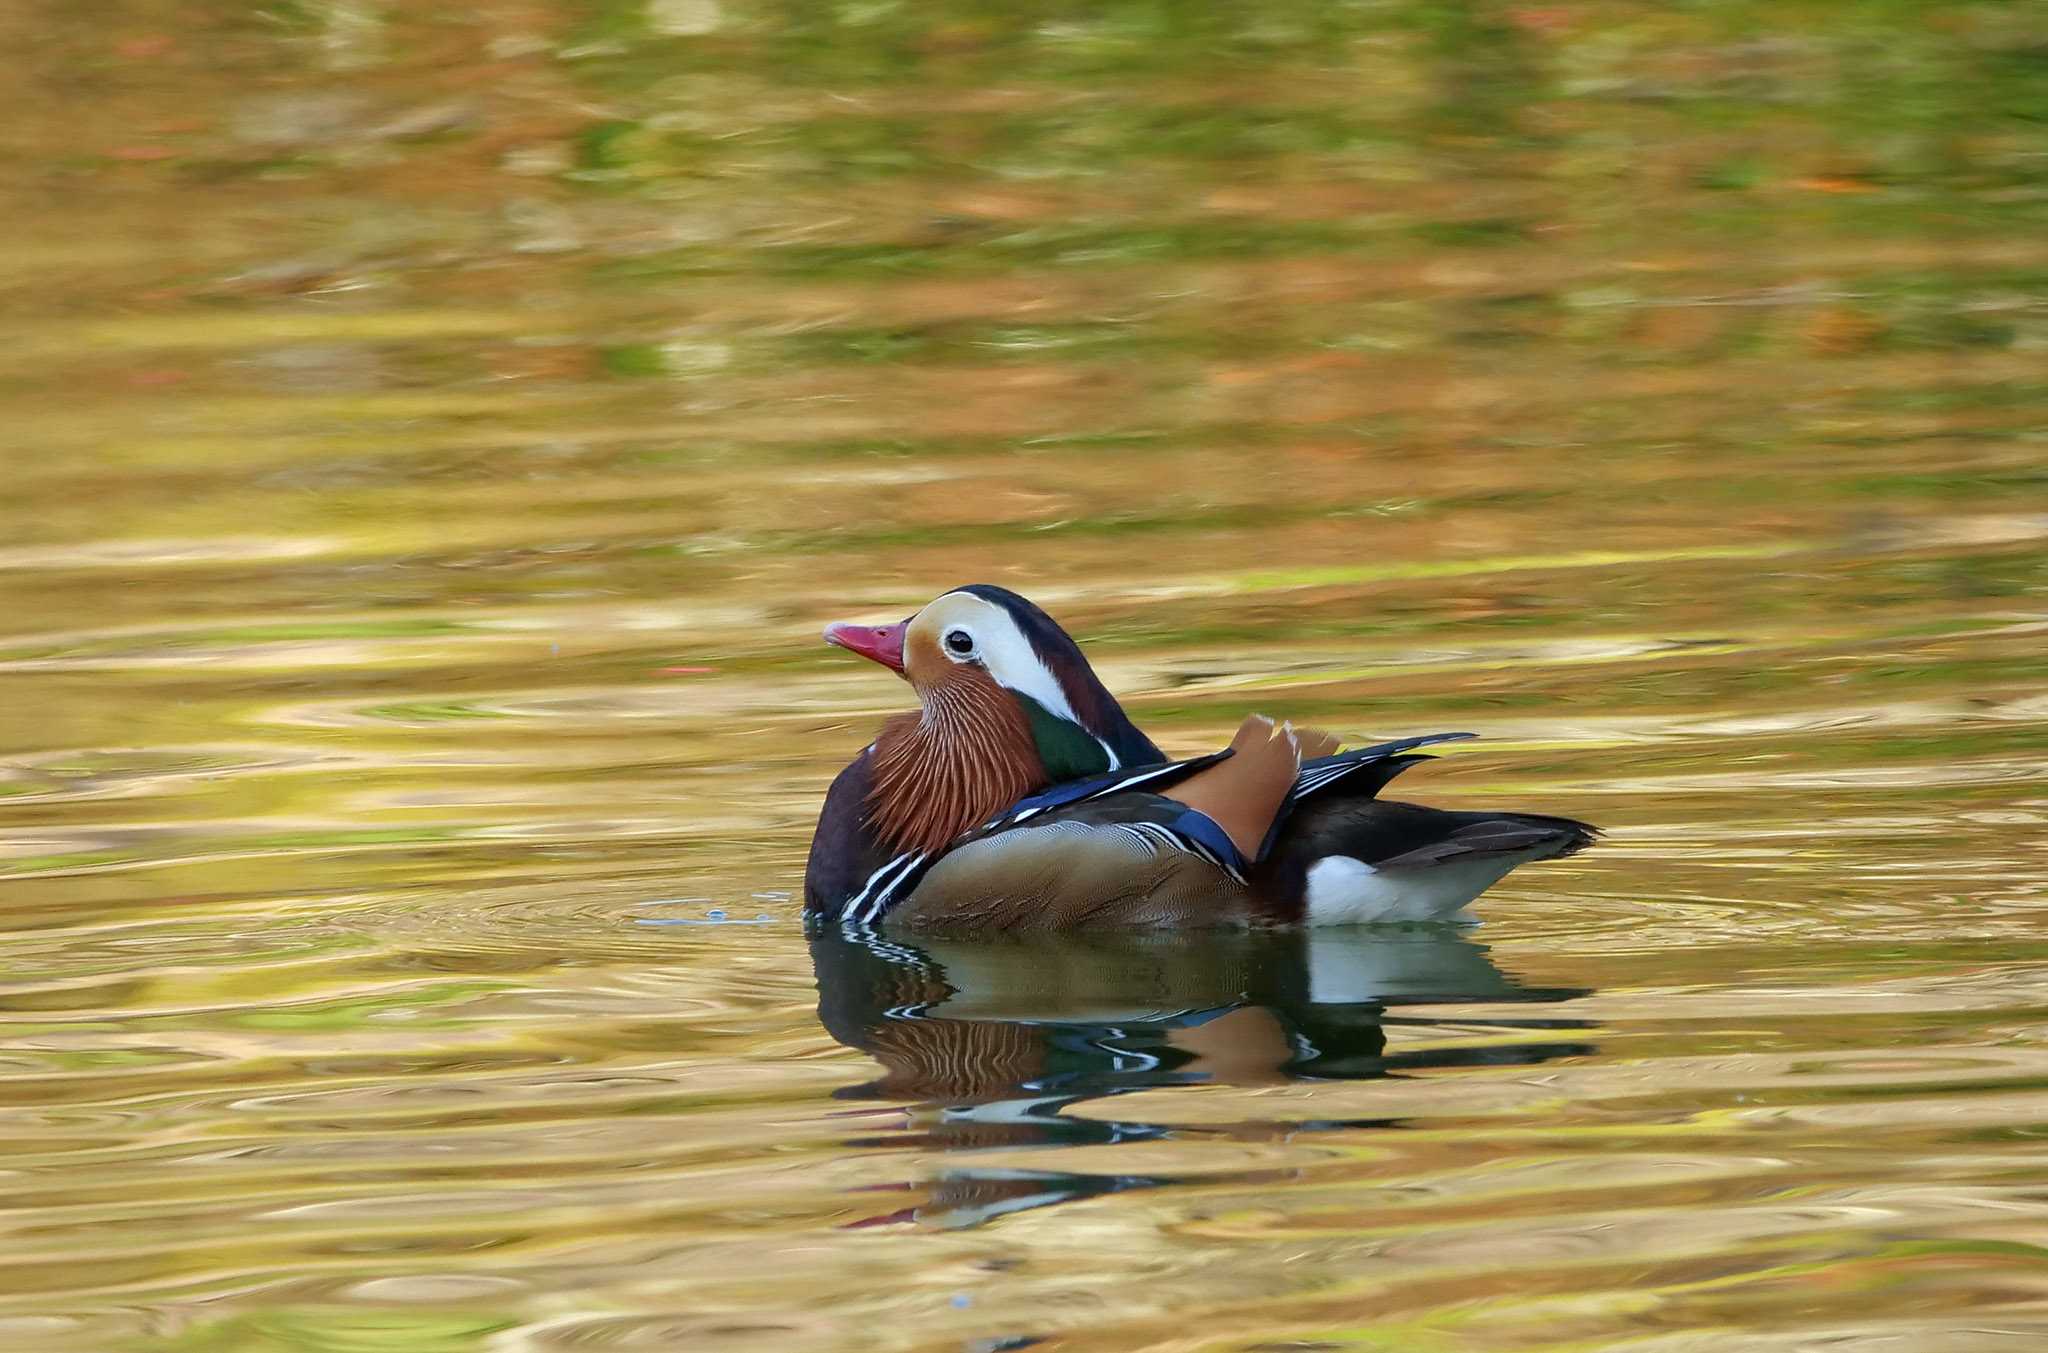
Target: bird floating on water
x,y
1020,796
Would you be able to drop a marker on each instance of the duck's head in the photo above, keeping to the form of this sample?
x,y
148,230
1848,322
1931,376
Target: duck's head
x,y
982,653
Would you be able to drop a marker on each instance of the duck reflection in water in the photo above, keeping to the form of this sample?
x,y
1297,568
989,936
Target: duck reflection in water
x,y
986,1042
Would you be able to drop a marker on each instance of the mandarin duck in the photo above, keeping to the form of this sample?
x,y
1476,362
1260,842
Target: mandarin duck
x,y
1020,796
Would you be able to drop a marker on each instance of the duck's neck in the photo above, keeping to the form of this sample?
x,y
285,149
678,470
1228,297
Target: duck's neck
x,y
949,769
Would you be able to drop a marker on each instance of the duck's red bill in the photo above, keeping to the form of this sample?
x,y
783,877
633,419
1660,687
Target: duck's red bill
x,y
878,643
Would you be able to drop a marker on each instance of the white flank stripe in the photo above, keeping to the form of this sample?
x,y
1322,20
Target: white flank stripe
x,y
882,890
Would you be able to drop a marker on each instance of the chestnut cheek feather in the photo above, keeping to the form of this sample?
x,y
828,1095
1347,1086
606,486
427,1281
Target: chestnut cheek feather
x,y
922,661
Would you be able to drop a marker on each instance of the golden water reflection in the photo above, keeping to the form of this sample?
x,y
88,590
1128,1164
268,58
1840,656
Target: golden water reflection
x,y
434,439
996,1040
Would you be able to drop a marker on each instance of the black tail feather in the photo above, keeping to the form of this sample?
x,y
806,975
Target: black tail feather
x,y
1497,834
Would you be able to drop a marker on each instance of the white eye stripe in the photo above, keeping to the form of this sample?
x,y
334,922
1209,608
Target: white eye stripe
x,y
1009,657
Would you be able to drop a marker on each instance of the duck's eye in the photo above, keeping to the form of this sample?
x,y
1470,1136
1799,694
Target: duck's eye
x,y
959,643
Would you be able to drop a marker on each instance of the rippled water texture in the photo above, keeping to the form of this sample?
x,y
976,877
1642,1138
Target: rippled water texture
x,y
434,435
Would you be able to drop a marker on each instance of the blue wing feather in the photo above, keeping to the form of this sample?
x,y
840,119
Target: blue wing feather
x,y
1157,776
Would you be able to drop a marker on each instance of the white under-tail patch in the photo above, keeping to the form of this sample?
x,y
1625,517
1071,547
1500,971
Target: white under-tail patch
x,y
1346,891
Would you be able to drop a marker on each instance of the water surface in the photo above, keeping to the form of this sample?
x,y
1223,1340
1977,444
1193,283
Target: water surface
x,y
434,440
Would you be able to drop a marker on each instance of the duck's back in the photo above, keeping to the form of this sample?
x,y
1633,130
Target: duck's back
x,y
1108,856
